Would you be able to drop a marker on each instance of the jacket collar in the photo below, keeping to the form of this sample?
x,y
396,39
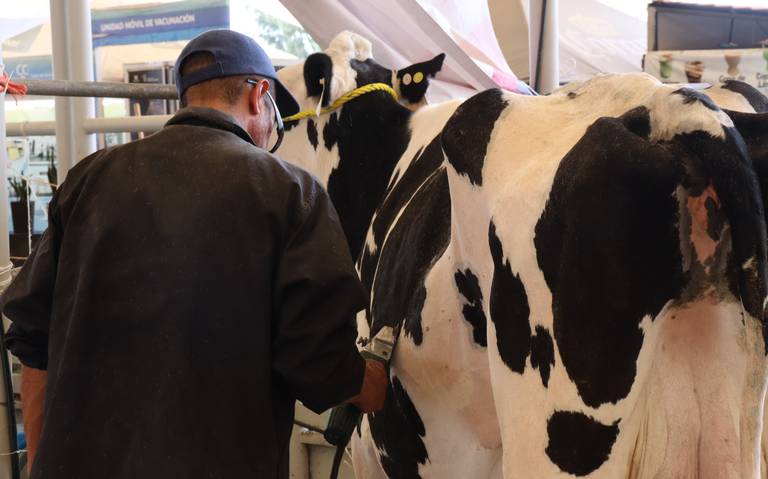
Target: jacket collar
x,y
211,118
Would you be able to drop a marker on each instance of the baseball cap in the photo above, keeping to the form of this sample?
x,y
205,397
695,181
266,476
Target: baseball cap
x,y
234,54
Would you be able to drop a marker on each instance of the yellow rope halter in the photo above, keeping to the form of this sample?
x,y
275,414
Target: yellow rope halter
x,y
344,99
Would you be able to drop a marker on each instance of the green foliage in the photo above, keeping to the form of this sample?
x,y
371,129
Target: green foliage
x,y
286,37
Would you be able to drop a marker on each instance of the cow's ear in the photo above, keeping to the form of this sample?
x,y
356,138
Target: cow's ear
x,y
412,81
318,71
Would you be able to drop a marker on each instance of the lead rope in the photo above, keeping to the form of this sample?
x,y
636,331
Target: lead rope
x,y
346,98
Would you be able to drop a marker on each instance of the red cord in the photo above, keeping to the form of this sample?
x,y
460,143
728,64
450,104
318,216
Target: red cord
x,y
10,87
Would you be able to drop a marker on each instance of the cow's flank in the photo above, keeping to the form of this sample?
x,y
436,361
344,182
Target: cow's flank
x,y
471,127
602,287
398,432
399,290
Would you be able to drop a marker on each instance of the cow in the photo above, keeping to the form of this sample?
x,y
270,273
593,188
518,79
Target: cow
x,y
748,108
580,277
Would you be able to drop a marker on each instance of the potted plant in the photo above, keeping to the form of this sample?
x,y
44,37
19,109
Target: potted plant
x,y
22,209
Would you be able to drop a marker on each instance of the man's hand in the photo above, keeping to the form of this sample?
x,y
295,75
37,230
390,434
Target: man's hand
x,y
374,390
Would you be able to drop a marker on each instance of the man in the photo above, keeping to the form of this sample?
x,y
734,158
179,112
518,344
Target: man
x,y
190,287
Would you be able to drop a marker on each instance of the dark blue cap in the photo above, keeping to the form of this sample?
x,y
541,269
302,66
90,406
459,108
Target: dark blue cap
x,y
234,54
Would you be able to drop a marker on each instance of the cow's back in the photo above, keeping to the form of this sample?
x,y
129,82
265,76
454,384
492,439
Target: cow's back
x,y
611,227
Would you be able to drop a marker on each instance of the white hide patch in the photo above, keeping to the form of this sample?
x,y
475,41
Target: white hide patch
x,y
671,116
345,47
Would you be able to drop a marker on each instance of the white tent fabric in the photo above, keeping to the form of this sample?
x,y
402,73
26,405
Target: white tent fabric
x,y
10,27
404,32
596,38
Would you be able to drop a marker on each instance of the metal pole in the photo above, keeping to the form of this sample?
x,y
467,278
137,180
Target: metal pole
x,y
148,123
544,41
81,69
9,463
91,125
65,154
100,89
30,128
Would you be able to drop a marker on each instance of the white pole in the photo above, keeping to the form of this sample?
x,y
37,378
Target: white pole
x,y
65,155
5,254
81,69
544,41
72,60
7,461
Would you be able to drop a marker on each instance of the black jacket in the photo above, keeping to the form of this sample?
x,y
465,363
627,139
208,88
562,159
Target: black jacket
x,y
189,288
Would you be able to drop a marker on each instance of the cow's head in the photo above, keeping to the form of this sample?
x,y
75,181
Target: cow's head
x,y
352,151
348,63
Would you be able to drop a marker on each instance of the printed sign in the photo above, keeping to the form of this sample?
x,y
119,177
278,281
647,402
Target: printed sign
x,y
169,22
710,66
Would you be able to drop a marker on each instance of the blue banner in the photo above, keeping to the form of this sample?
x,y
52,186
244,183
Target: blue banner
x,y
169,22
29,68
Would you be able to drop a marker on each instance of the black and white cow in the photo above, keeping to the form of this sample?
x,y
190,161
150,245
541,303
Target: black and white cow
x,y
581,277
748,108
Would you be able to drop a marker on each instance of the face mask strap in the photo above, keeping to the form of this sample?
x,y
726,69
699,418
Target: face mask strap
x,y
278,123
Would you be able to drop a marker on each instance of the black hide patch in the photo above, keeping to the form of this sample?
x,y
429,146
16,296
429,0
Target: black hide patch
x,y
638,121
715,219
318,71
579,444
607,244
398,430
416,242
369,71
753,128
468,131
728,166
755,98
542,353
372,134
331,131
312,133
469,287
424,165
692,96
414,91
509,309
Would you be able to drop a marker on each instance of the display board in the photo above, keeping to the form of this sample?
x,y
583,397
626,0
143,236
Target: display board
x,y
710,66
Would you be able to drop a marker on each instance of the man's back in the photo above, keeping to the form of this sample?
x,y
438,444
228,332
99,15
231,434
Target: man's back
x,y
192,301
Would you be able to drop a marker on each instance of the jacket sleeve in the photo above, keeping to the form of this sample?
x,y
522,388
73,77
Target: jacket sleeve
x,y
318,294
28,301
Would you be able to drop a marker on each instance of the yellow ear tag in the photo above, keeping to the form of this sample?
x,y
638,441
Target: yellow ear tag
x,y
418,77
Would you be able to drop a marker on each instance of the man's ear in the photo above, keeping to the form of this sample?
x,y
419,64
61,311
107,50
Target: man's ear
x,y
256,103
